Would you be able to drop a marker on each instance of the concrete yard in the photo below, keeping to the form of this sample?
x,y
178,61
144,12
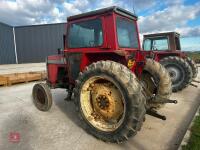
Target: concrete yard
x,y
60,128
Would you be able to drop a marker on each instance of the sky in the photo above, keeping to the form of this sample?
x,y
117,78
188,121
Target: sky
x,y
182,16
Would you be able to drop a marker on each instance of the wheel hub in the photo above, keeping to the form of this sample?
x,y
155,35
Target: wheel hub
x,y
103,102
172,74
175,73
107,101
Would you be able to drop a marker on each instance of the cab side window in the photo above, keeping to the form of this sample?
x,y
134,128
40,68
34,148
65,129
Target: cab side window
x,y
85,34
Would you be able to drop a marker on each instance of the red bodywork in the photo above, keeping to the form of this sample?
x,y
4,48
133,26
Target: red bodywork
x,y
54,63
158,55
74,60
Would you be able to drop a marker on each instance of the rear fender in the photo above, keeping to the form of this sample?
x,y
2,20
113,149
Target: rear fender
x,y
160,55
78,61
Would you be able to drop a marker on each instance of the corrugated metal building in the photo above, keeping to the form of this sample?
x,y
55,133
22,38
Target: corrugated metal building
x,y
33,43
7,49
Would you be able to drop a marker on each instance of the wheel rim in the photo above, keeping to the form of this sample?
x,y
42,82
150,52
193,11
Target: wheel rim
x,y
102,103
176,73
149,84
40,96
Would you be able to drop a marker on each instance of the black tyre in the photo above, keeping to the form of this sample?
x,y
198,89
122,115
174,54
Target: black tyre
x,y
179,71
109,101
156,82
42,97
193,67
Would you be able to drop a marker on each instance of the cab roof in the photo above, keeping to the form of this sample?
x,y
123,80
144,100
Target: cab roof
x,y
115,9
162,34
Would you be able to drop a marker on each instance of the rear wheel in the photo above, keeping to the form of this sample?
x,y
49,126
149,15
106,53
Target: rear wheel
x,y
42,97
156,82
193,67
109,101
179,70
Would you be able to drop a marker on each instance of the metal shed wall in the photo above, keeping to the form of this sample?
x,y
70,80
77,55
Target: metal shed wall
x,y
35,43
7,50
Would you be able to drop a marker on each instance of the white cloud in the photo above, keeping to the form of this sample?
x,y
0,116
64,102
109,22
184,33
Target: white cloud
x,y
70,8
24,11
174,17
189,31
169,19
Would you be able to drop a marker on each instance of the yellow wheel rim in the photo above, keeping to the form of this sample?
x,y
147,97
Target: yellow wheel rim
x,y
102,103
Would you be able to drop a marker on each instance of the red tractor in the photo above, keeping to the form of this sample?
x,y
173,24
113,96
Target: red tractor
x,y
109,78
166,49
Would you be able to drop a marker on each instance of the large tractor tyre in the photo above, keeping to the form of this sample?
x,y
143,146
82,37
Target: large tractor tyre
x,y
109,101
179,71
42,97
193,67
156,83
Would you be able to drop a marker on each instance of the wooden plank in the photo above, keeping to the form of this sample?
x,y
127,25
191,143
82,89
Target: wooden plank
x,y
33,76
10,79
3,81
16,78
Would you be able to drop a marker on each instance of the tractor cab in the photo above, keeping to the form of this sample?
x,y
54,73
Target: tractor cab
x,y
168,41
106,34
161,45
107,29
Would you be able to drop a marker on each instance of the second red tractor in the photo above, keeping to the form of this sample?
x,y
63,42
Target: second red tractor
x,y
166,49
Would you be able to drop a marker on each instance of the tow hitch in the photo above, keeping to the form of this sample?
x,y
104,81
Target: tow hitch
x,y
152,112
159,100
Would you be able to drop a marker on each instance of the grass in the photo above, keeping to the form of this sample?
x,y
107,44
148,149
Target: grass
x,y
195,56
194,141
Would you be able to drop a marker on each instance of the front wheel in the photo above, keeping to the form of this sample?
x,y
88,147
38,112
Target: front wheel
x,y
109,101
42,97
